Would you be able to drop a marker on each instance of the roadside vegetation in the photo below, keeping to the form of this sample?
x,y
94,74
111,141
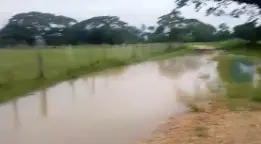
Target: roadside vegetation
x,y
242,88
20,75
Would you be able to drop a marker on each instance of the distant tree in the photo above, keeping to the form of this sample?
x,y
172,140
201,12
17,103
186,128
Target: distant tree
x,y
177,28
250,8
247,31
151,28
223,27
106,29
171,20
17,34
143,27
22,27
220,7
199,31
223,33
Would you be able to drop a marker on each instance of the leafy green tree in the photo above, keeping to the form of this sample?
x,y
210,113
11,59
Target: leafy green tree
x,y
223,33
177,28
106,29
24,26
201,32
16,34
151,28
223,27
247,31
248,7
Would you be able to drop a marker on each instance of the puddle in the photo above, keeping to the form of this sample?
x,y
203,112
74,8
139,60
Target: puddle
x,y
118,106
239,70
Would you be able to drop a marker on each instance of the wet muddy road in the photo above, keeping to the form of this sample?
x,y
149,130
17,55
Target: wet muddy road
x,y
118,106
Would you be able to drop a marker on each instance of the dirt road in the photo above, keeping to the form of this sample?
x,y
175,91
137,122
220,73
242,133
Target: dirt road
x,y
216,125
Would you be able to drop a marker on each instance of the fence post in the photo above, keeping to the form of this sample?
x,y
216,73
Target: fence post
x,y
40,64
104,53
40,42
69,56
133,52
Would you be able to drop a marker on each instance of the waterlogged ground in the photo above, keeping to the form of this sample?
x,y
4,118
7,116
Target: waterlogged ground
x,y
125,105
232,116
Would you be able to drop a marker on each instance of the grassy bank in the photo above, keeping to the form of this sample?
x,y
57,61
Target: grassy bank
x,y
241,94
19,67
243,90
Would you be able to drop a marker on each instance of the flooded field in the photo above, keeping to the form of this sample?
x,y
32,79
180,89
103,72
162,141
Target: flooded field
x,y
117,106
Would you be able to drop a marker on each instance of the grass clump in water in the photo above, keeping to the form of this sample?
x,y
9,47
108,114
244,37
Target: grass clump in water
x,y
242,89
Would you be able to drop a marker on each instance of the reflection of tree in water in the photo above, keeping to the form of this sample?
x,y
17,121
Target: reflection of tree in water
x,y
194,77
43,103
17,122
72,85
237,70
176,67
240,76
93,84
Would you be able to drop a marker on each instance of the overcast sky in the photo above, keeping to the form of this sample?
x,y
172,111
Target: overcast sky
x,y
135,12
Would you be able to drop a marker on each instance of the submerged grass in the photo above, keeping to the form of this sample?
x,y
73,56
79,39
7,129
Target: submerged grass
x,y
243,91
19,67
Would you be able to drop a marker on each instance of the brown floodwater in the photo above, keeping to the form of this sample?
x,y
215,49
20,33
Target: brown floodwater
x,y
117,106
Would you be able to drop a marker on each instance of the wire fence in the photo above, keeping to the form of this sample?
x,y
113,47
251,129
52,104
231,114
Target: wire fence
x,y
19,64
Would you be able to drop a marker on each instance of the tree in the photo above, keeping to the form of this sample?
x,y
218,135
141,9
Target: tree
x,y
223,33
22,27
223,27
247,31
16,34
113,22
133,35
171,20
200,32
151,28
220,7
177,28
41,21
106,29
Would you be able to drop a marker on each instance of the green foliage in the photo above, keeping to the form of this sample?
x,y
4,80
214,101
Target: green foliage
x,y
239,86
61,30
247,32
19,67
177,28
220,7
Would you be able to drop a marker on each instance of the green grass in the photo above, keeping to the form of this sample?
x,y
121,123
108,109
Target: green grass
x,y
241,93
19,67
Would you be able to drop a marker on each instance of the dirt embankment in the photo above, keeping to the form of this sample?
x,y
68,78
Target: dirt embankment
x,y
215,125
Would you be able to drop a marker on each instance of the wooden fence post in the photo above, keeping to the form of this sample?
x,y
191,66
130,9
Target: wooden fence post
x,y
40,42
40,64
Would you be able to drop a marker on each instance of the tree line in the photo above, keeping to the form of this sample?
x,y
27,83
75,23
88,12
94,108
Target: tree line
x,y
61,30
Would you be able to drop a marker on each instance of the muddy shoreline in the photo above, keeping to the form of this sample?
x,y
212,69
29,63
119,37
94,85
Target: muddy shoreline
x,y
215,125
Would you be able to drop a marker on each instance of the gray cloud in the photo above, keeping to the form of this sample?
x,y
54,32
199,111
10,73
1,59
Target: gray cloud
x,y
135,12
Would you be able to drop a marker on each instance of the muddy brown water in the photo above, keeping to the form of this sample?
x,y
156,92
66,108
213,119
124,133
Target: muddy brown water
x,y
117,106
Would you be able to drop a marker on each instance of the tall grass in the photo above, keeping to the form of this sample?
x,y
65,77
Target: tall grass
x,y
19,67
